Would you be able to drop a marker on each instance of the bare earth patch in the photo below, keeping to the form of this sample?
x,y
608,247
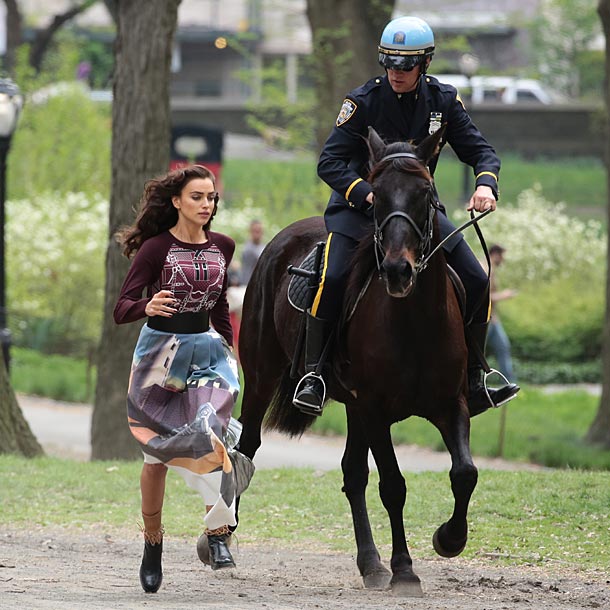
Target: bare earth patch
x,y
76,569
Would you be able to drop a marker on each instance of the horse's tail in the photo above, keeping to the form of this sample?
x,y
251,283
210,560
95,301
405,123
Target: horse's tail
x,y
282,414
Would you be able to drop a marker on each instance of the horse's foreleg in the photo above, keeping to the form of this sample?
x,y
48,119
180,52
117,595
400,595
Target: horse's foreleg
x,y
450,538
393,493
355,479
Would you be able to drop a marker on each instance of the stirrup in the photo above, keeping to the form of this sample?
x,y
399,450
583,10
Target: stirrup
x,y
492,404
305,407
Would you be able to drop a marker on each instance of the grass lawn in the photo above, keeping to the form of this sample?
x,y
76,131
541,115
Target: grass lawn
x,y
545,518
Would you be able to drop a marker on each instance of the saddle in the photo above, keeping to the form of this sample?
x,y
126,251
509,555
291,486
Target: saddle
x,y
300,288
303,287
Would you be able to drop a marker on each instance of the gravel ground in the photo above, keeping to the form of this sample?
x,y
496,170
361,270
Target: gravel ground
x,y
95,570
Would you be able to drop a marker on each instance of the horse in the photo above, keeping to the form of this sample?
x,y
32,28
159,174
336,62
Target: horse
x,y
400,351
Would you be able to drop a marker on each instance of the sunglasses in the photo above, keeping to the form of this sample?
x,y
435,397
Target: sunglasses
x,y
406,63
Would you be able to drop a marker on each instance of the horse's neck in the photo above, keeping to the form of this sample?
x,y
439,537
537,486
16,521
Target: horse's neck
x,y
428,302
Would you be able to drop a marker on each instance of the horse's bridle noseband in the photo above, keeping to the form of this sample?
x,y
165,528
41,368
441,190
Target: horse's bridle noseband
x,y
424,234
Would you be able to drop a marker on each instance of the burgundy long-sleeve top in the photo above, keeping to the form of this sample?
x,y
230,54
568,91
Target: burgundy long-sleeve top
x,y
195,273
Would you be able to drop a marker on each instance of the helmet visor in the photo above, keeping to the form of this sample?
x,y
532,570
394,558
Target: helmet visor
x,y
400,62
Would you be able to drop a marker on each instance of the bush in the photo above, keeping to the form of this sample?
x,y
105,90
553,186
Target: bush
x,y
557,263
62,144
56,277
561,320
542,373
54,376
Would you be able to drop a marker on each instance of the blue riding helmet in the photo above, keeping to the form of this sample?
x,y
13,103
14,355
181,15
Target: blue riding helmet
x,y
405,43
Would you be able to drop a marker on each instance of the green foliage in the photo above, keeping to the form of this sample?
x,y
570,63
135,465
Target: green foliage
x,y
61,145
276,192
101,59
524,518
543,243
56,276
54,376
542,428
557,263
591,68
580,183
561,30
283,123
541,373
560,320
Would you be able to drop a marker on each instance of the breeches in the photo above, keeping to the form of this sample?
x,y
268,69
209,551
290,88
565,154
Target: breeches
x,y
337,265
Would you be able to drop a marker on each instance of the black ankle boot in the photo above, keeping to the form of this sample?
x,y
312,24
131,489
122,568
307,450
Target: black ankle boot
x,y
310,395
220,556
151,573
478,401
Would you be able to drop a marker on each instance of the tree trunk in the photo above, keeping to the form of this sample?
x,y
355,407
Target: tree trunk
x,y
15,434
345,35
13,34
599,432
140,151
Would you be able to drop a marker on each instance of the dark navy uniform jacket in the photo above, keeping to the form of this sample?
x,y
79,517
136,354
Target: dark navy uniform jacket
x,y
343,163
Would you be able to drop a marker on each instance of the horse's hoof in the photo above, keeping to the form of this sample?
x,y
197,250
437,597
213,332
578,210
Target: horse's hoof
x,y
446,551
203,548
409,587
379,579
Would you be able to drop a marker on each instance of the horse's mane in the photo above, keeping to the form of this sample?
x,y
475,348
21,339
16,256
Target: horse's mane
x,y
363,261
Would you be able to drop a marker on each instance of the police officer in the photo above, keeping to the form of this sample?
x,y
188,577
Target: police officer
x,y
404,105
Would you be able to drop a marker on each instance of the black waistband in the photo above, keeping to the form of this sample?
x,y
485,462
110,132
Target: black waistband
x,y
189,322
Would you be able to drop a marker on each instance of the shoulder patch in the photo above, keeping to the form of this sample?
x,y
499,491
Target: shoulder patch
x,y
346,112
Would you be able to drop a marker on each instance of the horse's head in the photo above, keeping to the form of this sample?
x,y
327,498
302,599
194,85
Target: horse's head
x,y
404,208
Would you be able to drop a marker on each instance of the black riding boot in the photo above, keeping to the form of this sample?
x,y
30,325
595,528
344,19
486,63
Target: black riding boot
x,y
151,573
478,399
311,390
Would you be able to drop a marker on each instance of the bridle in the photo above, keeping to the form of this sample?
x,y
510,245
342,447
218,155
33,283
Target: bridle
x,y
424,233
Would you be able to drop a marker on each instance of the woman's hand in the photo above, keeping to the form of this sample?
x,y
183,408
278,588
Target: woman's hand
x,y
162,304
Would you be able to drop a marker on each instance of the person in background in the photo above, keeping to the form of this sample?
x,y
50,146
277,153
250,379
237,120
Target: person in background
x,y
498,342
184,380
251,251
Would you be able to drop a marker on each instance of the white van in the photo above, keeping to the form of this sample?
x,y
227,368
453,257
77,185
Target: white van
x,y
498,89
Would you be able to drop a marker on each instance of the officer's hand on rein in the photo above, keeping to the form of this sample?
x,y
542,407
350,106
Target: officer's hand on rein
x,y
482,200
370,198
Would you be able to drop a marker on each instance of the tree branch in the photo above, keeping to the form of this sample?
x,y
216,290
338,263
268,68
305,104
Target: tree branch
x,y
43,38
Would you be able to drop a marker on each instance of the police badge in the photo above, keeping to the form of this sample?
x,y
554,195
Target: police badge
x,y
346,112
436,119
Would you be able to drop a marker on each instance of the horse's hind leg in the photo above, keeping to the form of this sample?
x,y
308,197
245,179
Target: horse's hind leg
x,y
355,479
450,538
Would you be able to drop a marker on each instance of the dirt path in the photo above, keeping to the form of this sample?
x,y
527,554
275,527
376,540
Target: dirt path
x,y
86,570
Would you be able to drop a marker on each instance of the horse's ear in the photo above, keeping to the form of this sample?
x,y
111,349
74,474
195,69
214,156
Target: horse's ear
x,y
430,146
376,145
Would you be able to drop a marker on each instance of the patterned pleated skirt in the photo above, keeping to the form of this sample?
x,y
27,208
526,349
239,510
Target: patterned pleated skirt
x,y
182,390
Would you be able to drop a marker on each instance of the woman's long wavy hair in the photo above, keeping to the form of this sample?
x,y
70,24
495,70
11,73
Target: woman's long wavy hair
x,y
156,210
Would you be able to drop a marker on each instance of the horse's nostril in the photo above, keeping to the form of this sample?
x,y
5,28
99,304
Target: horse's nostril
x,y
397,268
